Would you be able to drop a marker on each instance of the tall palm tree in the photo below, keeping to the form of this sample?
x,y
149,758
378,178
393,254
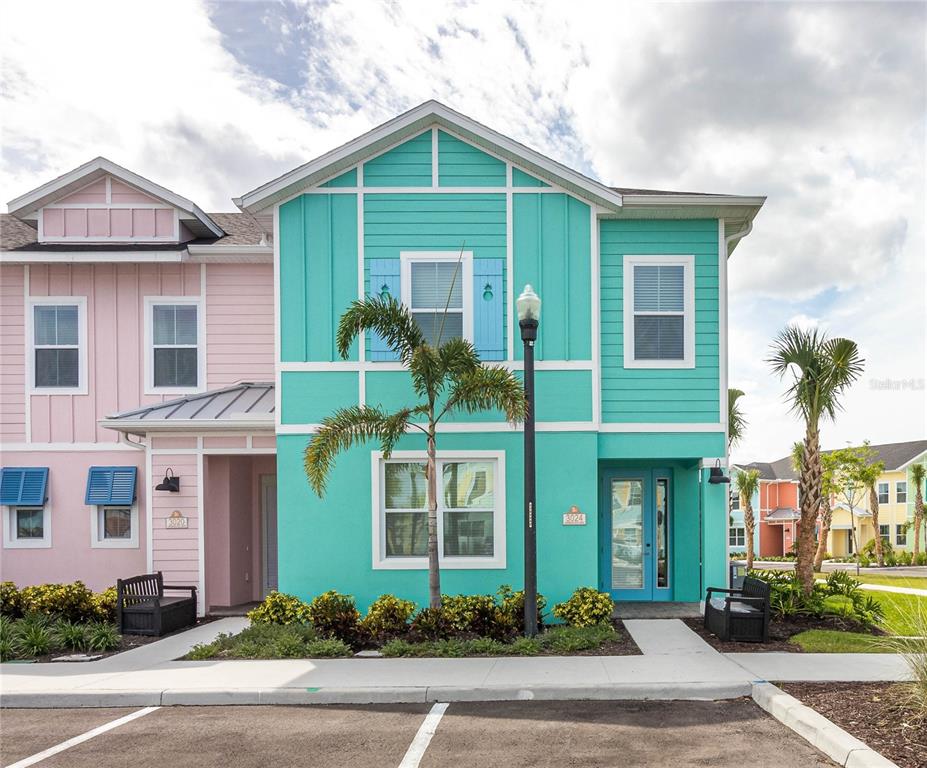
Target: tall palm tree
x,y
821,370
446,376
917,478
829,490
736,421
746,482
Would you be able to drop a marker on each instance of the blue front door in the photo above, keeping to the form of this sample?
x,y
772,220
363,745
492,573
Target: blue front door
x,y
636,550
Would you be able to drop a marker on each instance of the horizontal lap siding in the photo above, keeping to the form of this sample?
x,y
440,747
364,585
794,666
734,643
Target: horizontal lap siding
x,y
674,395
12,354
463,165
239,323
408,165
175,551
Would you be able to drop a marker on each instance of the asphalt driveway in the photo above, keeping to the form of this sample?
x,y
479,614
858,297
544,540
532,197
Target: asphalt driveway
x,y
723,734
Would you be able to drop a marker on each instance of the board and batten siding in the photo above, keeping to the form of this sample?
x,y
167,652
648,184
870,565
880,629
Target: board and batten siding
x,y
12,354
682,395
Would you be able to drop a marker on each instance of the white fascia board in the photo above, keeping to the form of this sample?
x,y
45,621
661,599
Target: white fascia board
x,y
26,204
90,257
672,200
430,113
187,426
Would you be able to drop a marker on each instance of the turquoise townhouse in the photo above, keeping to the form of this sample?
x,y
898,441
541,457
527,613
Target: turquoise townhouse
x,y
631,372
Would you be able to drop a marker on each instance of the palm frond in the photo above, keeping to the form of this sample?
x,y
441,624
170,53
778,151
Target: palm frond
x,y
385,315
746,482
425,370
458,357
736,421
486,388
345,428
917,475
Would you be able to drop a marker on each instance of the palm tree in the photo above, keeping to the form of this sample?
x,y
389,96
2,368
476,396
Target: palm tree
x,y
736,421
829,489
449,372
822,369
917,478
746,483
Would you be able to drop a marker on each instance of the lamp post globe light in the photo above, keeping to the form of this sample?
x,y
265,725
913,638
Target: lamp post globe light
x,y
528,307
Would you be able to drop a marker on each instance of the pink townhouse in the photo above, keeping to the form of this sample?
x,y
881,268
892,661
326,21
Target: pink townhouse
x,y
136,388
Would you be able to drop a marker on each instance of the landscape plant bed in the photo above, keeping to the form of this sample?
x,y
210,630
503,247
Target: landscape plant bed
x,y
782,632
879,714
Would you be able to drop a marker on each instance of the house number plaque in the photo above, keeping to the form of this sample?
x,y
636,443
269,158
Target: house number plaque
x,y
176,520
574,516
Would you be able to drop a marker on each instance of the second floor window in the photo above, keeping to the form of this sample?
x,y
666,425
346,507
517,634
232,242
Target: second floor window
x,y
901,491
659,298
175,356
882,492
735,501
434,288
57,346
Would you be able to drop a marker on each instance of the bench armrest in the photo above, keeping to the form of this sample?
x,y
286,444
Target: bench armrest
x,y
179,586
719,589
752,600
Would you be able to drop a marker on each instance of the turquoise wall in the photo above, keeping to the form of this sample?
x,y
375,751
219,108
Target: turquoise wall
x,y
660,395
463,165
408,165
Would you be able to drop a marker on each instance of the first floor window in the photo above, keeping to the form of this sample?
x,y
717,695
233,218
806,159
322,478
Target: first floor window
x,y
56,346
884,533
175,342
469,511
30,523
882,492
114,526
901,491
116,523
737,537
901,535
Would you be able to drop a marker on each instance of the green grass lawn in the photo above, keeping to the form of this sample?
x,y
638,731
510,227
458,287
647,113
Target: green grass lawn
x,y
914,582
834,641
904,614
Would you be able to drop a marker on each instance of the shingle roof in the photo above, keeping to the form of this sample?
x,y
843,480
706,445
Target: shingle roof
x,y
894,455
247,400
240,229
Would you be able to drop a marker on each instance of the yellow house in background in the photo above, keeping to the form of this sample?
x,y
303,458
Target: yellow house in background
x,y
896,504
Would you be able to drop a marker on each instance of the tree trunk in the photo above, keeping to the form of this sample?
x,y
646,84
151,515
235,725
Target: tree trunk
x,y
810,490
874,508
855,538
918,519
434,574
748,530
827,515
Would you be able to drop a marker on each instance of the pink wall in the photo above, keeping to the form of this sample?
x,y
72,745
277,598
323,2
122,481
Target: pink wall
x,y
12,355
240,323
71,557
175,551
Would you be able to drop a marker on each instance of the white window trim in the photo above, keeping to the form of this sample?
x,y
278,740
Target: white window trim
x,y
9,520
901,530
686,261
81,303
97,540
150,303
381,562
407,258
879,487
737,528
905,491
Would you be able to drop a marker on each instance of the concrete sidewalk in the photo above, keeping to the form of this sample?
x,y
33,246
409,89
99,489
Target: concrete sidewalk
x,y
676,664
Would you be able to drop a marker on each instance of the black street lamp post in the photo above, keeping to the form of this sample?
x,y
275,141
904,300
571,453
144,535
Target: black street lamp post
x,y
529,313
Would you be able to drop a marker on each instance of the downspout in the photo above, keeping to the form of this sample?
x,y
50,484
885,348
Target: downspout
x,y
124,439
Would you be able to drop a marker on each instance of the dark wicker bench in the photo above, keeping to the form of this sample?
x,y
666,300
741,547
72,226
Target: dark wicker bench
x,y
742,615
142,608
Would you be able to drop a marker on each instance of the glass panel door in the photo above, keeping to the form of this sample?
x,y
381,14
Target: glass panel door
x,y
627,534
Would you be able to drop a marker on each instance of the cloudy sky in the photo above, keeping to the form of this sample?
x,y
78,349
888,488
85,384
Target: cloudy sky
x,y
821,107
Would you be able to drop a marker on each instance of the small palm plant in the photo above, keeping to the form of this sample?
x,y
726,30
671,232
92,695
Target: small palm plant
x,y
746,483
822,369
447,377
736,421
917,479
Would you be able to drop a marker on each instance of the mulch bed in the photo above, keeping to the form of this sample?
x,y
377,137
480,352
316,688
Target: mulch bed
x,y
878,714
780,630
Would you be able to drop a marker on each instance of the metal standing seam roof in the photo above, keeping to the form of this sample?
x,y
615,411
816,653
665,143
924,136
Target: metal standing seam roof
x,y
783,513
247,400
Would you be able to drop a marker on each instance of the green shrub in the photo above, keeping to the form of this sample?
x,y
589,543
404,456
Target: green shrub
x,y
921,559
399,647
573,639
585,608
68,601
452,648
11,601
330,647
431,624
32,638
478,615
864,561
869,548
904,558
842,583
102,636
387,617
202,652
335,615
71,634
513,605
280,608
104,604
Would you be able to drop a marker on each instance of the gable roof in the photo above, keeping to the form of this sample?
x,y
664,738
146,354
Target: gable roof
x,y
896,456
433,113
26,206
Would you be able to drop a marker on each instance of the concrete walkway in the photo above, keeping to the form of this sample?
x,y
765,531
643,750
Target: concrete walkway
x,y
898,590
676,664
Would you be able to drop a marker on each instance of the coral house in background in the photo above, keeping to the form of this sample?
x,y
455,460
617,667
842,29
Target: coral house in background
x,y
144,339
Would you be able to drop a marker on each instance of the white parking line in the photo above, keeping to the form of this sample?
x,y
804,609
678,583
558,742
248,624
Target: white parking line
x,y
423,738
40,756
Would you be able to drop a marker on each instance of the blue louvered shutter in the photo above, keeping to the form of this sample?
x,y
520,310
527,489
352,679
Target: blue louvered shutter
x,y
111,485
23,486
488,306
384,281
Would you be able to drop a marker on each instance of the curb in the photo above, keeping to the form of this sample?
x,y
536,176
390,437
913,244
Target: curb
x,y
374,695
817,730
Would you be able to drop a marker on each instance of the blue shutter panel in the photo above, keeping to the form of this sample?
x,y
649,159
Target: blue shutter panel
x,y
384,279
111,485
488,308
24,486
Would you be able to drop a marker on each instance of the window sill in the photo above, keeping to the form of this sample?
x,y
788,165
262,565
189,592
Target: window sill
x,y
659,364
58,391
27,544
113,544
446,564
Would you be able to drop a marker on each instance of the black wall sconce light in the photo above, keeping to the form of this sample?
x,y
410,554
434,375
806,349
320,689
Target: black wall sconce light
x,y
170,482
716,474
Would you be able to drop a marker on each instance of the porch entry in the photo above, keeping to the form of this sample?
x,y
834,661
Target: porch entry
x,y
635,527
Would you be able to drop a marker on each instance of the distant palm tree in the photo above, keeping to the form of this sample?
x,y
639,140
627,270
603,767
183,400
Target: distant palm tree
x,y
449,372
746,482
736,421
917,478
821,371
